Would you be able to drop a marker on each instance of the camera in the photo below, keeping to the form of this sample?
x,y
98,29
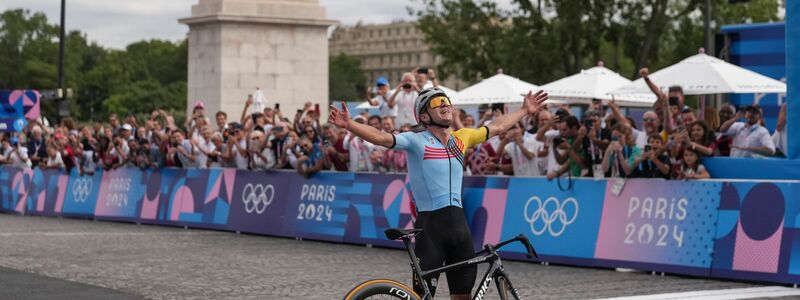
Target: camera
x,y
648,148
588,123
422,71
406,85
558,141
615,139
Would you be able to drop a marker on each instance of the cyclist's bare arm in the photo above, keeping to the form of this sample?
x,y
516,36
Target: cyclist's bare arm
x,y
532,103
342,119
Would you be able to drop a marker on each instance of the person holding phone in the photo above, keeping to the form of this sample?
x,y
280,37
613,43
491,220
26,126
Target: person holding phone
x,y
621,154
15,154
404,96
750,139
425,78
381,100
668,105
654,162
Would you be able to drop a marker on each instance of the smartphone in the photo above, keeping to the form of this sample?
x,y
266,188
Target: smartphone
x,y
316,108
422,71
647,148
673,101
498,106
557,141
277,106
615,139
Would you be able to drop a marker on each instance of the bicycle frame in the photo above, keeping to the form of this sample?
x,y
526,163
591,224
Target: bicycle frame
x,y
491,257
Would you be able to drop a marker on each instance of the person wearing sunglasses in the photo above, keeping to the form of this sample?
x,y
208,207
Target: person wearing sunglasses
x,y
435,159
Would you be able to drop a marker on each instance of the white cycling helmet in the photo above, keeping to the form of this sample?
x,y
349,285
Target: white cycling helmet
x,y
424,98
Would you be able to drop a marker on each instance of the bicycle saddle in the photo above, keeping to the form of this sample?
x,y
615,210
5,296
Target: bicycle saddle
x,y
398,233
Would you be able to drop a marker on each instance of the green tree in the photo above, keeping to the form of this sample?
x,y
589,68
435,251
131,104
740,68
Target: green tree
x,y
346,80
146,75
543,40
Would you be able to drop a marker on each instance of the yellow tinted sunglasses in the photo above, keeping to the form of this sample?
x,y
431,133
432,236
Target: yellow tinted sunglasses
x,y
438,101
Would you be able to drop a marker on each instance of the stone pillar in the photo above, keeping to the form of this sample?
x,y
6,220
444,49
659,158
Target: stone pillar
x,y
235,46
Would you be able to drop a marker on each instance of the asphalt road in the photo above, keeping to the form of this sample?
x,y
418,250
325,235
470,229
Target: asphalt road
x,y
51,258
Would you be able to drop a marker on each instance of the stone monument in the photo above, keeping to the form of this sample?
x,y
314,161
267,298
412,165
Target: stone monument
x,y
279,46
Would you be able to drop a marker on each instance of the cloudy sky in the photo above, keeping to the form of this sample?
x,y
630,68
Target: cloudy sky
x,y
118,23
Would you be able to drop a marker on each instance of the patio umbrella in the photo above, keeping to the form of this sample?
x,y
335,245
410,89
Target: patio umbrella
x,y
499,88
702,74
595,83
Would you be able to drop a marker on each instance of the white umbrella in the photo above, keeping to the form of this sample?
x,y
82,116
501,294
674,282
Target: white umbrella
x,y
703,75
450,94
499,88
595,83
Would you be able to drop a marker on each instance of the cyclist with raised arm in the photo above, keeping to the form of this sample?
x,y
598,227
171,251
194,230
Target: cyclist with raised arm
x,y
435,167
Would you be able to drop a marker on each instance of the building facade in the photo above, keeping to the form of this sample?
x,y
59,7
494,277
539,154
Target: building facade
x,y
387,50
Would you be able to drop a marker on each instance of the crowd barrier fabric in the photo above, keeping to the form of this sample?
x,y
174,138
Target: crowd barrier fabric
x,y
658,224
738,230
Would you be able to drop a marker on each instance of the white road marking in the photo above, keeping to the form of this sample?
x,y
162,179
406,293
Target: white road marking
x,y
725,294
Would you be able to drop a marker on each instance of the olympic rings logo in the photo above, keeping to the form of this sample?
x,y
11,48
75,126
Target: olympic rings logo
x,y
81,189
543,216
257,197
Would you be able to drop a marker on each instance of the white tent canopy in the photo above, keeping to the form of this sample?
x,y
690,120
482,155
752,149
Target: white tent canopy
x,y
499,88
595,83
450,94
703,75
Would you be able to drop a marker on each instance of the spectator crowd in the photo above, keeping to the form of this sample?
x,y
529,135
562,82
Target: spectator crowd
x,y
670,143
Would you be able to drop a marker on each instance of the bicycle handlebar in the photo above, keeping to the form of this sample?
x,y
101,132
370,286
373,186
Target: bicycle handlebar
x,y
524,240
520,238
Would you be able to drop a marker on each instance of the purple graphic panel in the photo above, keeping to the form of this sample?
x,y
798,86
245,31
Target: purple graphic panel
x,y
258,201
46,196
15,186
758,232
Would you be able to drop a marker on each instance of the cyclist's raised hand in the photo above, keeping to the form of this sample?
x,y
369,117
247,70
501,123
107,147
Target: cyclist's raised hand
x,y
533,102
338,117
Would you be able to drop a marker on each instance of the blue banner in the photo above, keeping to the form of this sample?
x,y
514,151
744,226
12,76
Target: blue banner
x,y
562,225
742,230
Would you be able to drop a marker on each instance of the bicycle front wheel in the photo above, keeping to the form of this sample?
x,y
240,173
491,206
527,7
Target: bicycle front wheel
x,y
503,288
381,289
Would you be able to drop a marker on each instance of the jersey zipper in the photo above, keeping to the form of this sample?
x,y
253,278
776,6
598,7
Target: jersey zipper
x,y
449,166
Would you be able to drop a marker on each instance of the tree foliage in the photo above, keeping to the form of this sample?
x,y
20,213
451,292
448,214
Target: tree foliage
x,y
346,80
543,40
146,75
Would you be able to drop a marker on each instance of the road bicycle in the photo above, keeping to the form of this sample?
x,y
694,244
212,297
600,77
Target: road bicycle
x,y
390,289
